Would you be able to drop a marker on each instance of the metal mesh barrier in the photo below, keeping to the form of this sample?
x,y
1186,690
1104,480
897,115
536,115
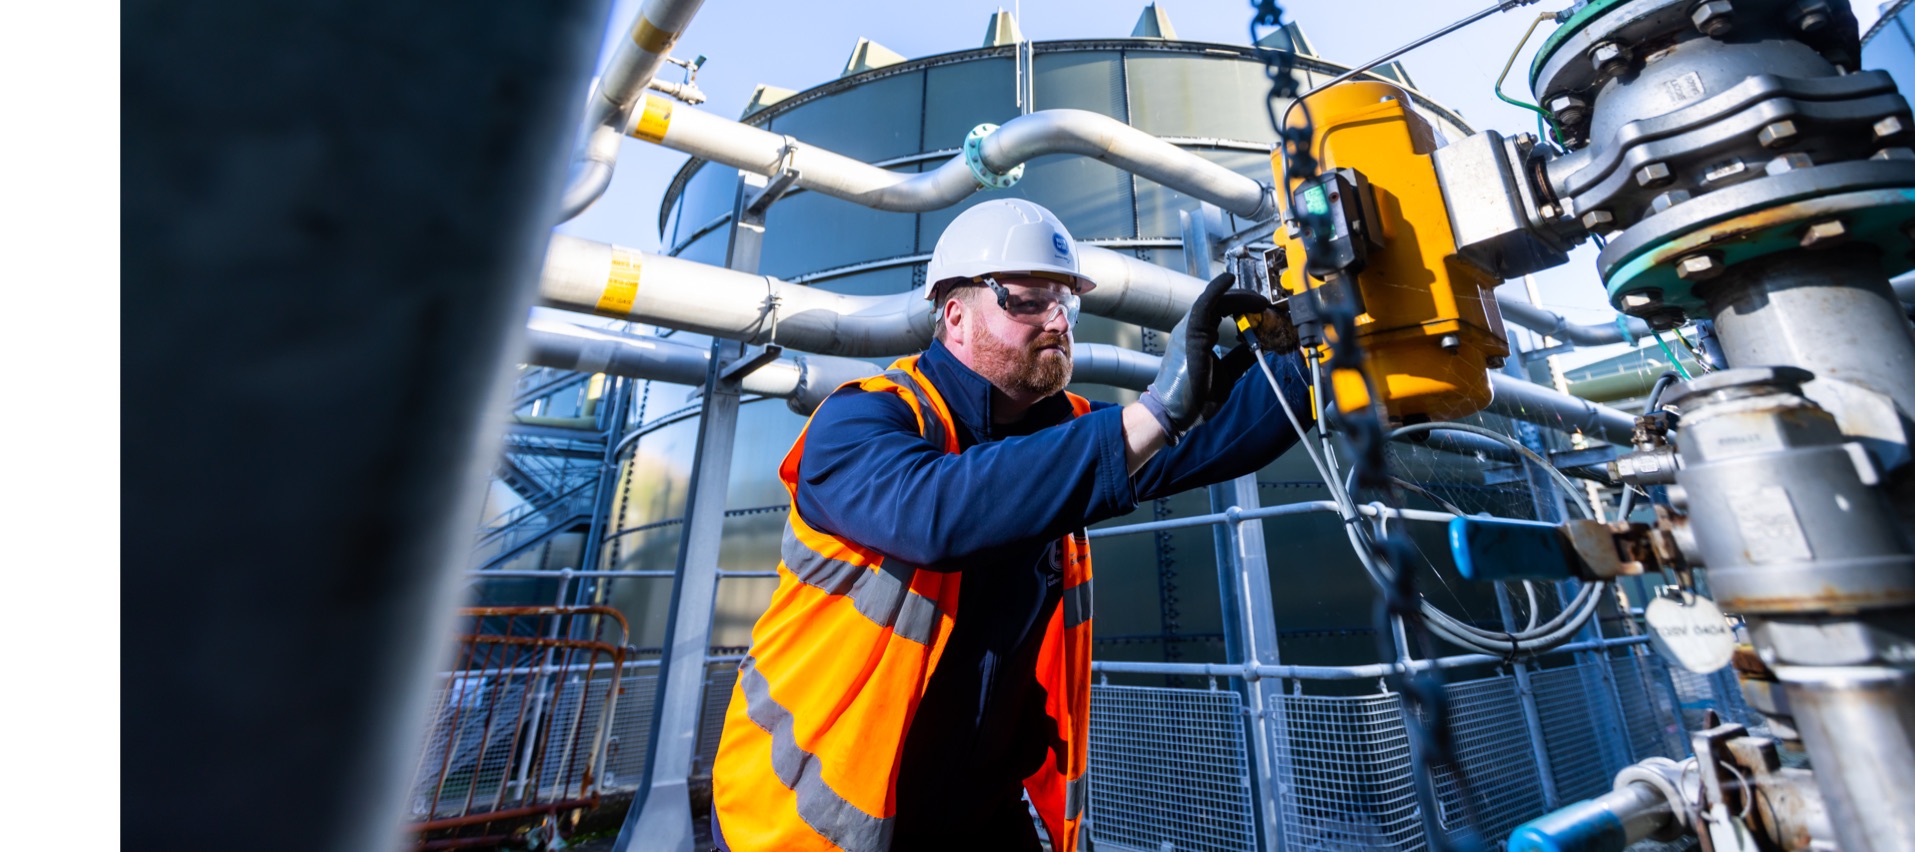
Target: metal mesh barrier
x,y
719,678
631,730
1343,763
468,744
1567,710
1169,770
1645,707
1493,748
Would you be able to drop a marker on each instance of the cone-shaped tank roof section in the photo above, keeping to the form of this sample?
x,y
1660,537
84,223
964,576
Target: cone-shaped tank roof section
x,y
1153,23
868,54
1002,30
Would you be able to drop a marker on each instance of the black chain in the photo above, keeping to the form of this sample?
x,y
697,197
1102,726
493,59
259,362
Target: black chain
x,y
1426,716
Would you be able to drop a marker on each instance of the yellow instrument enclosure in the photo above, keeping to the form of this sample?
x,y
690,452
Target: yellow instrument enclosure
x,y
1416,290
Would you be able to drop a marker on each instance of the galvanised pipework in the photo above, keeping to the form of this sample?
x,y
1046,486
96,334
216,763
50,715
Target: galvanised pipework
x,y
1745,171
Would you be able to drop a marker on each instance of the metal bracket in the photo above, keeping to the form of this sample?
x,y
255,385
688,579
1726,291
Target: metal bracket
x,y
780,184
752,359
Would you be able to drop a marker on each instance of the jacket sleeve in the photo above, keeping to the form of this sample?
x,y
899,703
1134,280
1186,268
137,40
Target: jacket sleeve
x,y
867,475
1248,432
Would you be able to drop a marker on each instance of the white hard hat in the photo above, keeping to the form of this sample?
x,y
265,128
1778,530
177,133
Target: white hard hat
x,y
1004,236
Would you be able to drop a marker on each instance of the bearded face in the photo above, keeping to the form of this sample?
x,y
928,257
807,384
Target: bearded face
x,y
1040,367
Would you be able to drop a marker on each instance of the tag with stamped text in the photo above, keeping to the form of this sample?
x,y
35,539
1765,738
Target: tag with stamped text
x,y
1691,631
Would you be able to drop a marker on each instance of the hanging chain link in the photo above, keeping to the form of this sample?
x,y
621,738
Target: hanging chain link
x,y
1426,706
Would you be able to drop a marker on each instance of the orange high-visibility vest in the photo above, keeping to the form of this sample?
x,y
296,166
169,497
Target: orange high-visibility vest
x,y
841,658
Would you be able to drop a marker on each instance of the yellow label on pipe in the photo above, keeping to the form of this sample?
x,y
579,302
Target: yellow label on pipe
x,y
621,287
650,38
655,120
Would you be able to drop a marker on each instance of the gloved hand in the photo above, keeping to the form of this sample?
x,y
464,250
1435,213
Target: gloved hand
x,y
1177,398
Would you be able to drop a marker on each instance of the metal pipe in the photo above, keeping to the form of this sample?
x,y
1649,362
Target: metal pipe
x,y
1548,323
802,380
1607,823
608,111
1548,407
603,279
1858,723
1059,131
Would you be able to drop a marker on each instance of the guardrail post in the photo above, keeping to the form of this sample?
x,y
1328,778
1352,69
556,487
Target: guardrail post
x,y
661,817
1526,697
1250,625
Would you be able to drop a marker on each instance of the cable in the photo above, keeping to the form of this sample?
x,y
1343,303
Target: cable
x,y
1532,640
1542,114
1673,360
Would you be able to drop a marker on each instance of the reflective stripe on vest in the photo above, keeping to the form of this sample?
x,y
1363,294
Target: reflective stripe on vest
x,y
821,807
879,595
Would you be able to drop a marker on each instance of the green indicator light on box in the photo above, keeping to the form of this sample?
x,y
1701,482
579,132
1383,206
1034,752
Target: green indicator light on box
x,y
1315,201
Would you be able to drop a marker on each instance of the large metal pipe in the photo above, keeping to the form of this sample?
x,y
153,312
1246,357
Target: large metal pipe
x,y
1626,329
1058,131
1859,725
599,278
1547,407
609,110
802,380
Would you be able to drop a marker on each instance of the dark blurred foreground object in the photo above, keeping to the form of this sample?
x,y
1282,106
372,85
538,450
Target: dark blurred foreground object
x,y
333,216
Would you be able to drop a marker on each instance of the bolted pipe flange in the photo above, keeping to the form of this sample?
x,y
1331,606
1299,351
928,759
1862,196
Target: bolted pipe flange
x,y
974,159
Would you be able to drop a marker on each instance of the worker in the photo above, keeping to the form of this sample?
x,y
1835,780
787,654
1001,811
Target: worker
x,y
878,708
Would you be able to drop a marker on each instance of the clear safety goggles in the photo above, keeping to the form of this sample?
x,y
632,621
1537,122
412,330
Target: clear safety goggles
x,y
1034,305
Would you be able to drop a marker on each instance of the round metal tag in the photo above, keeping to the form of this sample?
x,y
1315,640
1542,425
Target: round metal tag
x,y
1691,631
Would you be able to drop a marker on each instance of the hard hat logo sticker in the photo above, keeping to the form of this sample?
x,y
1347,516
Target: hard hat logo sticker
x,y
1063,248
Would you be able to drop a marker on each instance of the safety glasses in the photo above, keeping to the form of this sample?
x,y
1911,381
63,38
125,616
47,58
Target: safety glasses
x,y
1034,305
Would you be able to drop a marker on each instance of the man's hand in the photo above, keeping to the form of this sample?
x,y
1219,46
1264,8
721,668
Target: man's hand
x,y
1183,382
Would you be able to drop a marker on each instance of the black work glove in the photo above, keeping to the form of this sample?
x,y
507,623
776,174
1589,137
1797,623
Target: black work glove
x,y
1184,380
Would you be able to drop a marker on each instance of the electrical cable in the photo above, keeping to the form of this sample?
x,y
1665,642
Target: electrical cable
x,y
1673,360
1542,114
1532,640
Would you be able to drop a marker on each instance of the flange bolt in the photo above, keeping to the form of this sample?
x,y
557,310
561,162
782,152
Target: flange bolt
x,y
1778,134
1698,267
1714,18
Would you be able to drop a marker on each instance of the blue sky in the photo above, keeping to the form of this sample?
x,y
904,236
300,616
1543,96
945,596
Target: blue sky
x,y
796,47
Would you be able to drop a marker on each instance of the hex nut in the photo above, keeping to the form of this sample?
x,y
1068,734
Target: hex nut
x,y
1568,109
1699,267
1641,299
1778,134
1609,58
1889,128
1824,234
1654,174
1598,220
1788,163
1714,18
1668,199
1810,15
1548,212
1893,154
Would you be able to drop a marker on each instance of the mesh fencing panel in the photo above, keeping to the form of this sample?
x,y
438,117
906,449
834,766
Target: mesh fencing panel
x,y
575,732
1493,749
626,748
1567,709
1343,765
1169,769
469,744
719,678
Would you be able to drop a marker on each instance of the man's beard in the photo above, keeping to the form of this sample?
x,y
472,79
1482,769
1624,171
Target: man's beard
x,y
1028,370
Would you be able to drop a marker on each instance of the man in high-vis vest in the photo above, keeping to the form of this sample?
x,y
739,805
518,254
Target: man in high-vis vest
x,y
924,665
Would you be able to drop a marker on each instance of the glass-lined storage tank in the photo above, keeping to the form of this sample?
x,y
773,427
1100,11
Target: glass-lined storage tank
x,y
1157,596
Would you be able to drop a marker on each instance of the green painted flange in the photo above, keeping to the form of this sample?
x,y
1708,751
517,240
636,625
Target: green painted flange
x,y
1874,216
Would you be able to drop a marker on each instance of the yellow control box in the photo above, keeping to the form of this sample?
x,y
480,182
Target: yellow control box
x,y
1430,330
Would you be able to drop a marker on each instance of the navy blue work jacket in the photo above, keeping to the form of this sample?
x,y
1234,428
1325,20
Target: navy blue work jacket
x,y
995,510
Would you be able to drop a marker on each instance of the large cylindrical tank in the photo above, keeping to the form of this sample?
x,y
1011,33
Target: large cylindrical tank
x,y
1157,596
